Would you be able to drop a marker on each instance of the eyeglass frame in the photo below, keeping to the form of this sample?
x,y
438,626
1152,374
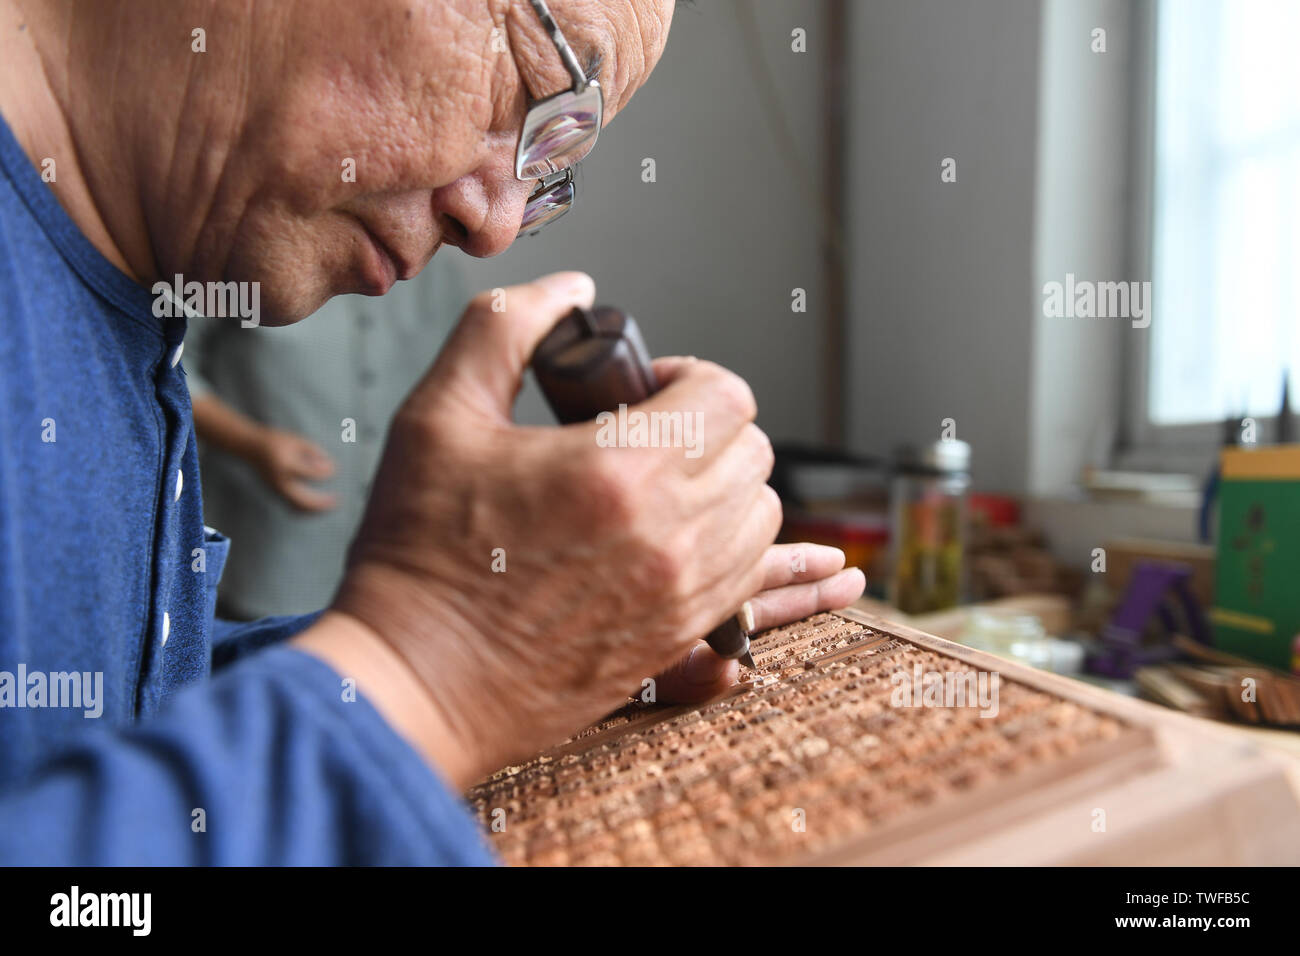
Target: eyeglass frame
x,y
581,84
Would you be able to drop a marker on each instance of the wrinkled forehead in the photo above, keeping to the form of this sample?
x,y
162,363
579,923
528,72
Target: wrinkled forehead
x,y
621,40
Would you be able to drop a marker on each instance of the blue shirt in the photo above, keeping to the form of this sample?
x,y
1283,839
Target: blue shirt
x,y
135,728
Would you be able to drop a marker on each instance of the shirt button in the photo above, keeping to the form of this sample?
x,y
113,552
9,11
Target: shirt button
x,y
167,627
176,356
180,483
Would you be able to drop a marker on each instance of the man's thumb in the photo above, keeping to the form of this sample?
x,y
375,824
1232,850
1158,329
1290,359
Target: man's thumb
x,y
487,354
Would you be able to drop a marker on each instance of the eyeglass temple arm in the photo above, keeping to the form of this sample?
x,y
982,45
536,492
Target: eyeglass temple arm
x,y
561,45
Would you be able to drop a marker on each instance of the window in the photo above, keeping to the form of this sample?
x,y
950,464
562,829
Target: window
x,y
1225,228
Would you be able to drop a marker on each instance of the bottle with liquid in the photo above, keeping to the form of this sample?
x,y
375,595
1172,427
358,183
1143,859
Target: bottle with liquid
x,y
928,505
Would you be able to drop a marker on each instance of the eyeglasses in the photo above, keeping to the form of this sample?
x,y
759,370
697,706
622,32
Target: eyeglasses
x,y
559,131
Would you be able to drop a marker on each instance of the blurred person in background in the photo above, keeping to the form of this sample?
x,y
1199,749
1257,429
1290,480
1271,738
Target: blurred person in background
x,y
291,424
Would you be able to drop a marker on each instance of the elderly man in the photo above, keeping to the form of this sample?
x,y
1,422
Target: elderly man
x,y
303,150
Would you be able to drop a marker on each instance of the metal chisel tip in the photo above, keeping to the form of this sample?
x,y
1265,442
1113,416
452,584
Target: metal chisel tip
x,y
745,618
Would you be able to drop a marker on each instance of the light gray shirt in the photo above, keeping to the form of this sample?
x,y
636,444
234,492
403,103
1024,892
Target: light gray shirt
x,y
335,378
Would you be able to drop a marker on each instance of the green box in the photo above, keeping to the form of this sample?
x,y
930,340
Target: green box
x,y
1257,569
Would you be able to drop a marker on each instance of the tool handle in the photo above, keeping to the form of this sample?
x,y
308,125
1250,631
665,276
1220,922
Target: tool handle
x,y
593,361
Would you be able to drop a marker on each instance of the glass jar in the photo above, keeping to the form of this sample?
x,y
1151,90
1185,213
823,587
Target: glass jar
x,y
928,507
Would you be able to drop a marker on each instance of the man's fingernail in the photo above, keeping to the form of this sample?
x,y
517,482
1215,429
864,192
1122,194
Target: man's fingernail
x,y
566,282
701,667
826,548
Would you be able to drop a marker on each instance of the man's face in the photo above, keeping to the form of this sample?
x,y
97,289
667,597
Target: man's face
x,y
372,133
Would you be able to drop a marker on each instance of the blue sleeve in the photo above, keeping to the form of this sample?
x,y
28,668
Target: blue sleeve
x,y
234,640
267,763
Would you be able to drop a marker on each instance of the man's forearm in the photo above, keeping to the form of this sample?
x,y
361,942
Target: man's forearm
x,y
226,428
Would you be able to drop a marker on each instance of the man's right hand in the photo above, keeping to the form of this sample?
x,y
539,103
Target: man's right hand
x,y
289,463
615,559
285,461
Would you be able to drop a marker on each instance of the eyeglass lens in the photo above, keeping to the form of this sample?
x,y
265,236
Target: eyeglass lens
x,y
546,204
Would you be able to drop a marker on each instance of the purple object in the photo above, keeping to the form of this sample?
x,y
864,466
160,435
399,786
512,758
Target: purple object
x,y
1151,590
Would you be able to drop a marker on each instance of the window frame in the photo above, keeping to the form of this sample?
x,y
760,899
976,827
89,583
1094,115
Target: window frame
x,y
1144,445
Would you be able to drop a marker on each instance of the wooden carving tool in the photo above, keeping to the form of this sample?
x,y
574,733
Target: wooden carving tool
x,y
593,361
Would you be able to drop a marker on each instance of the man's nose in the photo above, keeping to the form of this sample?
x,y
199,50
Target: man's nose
x,y
481,212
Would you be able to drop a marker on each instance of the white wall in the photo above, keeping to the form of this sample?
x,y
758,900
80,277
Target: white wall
x,y
1083,202
942,293
705,257
945,315
946,286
